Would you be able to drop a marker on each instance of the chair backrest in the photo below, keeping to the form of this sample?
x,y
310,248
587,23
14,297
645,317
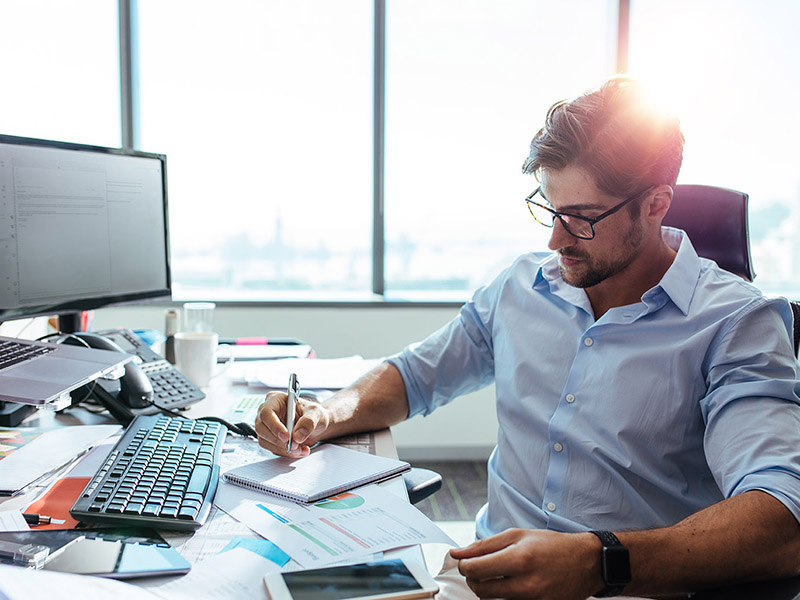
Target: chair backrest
x,y
715,219
796,314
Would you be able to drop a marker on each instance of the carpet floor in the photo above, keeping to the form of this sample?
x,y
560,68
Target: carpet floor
x,y
463,490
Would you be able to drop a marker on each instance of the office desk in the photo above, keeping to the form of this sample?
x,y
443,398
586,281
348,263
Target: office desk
x,y
220,528
220,396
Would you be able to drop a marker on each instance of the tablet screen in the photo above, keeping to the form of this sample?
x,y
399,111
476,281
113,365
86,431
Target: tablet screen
x,y
351,581
118,553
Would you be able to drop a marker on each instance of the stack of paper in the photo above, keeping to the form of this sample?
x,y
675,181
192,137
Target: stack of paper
x,y
248,352
47,453
312,373
349,526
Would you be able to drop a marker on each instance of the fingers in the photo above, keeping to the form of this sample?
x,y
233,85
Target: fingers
x,y
271,429
312,421
489,558
482,547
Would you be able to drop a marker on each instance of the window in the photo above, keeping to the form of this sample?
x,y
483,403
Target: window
x,y
60,70
729,70
469,83
264,110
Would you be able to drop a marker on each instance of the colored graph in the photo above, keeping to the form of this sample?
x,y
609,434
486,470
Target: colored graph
x,y
341,502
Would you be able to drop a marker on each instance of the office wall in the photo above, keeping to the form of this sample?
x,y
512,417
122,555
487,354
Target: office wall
x,y
464,429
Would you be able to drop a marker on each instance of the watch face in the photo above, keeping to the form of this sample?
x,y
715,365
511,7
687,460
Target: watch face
x,y
616,565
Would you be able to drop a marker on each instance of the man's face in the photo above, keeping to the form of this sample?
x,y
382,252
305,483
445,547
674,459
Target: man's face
x,y
618,238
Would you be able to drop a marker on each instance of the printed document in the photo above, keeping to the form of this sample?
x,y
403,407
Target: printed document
x,y
362,521
47,453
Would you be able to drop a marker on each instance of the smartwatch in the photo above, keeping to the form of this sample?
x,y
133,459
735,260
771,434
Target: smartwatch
x,y
616,564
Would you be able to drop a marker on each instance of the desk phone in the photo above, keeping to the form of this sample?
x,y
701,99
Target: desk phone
x,y
171,388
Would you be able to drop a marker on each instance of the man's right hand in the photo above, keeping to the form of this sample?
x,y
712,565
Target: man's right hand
x,y
311,421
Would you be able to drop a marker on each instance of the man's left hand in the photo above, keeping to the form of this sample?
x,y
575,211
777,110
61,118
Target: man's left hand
x,y
526,563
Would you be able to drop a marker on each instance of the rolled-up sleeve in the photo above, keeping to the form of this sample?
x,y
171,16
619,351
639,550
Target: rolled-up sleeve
x,y
752,408
455,360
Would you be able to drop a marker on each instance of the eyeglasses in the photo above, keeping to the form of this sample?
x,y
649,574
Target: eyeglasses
x,y
575,225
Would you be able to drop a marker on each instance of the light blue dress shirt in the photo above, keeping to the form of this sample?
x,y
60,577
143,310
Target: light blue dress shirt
x,y
636,420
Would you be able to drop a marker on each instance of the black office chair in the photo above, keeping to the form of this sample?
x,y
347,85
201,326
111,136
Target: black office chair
x,y
715,219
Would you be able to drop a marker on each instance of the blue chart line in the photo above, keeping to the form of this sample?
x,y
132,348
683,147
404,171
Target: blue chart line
x,y
274,514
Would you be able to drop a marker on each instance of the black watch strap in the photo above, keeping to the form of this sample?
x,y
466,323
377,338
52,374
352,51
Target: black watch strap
x,y
616,565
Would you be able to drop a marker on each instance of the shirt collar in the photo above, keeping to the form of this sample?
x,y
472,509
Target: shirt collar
x,y
678,283
680,280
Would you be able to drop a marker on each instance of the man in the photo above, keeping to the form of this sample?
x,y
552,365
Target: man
x,y
642,393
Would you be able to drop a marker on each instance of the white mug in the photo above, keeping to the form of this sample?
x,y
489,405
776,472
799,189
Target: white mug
x,y
196,355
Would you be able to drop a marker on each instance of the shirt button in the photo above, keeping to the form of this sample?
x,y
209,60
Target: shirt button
x,y
588,342
551,506
570,398
558,447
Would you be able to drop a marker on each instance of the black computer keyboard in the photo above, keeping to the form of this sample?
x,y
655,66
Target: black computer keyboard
x,y
163,473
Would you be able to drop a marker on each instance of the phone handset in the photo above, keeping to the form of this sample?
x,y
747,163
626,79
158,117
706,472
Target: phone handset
x,y
136,390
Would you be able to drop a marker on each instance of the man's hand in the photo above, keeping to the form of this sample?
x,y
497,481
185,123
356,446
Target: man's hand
x,y
311,421
525,563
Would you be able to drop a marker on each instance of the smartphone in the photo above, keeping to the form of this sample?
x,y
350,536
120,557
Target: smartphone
x,y
381,580
124,553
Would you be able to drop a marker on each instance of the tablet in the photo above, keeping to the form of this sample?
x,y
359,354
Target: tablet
x,y
123,553
382,580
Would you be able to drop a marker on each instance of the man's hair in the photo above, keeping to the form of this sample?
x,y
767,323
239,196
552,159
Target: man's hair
x,y
614,134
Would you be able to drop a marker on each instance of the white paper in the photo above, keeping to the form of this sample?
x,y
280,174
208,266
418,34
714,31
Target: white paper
x,y
355,523
12,520
312,373
17,583
217,532
237,573
247,352
51,450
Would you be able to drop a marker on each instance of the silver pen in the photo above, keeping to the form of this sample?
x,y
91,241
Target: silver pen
x,y
291,401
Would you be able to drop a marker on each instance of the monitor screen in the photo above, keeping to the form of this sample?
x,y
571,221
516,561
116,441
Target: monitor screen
x,y
81,227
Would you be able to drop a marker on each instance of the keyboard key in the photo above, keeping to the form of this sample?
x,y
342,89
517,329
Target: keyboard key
x,y
199,481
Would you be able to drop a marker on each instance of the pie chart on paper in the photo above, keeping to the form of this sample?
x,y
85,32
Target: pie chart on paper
x,y
341,502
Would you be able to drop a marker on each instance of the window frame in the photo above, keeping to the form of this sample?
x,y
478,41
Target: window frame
x,y
130,119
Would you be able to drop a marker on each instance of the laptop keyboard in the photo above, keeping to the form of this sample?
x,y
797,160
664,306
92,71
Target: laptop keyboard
x,y
163,473
13,352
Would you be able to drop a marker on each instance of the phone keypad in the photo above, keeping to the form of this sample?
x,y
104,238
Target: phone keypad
x,y
171,388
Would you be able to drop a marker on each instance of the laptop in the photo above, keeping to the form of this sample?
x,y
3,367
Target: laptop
x,y
41,373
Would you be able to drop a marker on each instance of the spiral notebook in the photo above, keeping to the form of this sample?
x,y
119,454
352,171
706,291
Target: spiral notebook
x,y
327,471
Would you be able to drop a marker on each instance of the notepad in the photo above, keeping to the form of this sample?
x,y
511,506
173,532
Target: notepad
x,y
327,471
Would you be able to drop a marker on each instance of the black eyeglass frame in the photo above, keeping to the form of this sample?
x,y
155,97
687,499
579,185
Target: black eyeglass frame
x,y
590,220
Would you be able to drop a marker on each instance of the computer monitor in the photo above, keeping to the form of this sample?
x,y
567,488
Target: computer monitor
x,y
81,227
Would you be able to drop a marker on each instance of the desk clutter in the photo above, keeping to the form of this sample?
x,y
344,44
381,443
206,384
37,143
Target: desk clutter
x,y
165,473
213,504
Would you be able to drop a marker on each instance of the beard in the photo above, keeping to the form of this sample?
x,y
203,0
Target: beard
x,y
596,270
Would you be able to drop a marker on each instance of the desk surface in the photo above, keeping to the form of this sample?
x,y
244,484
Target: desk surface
x,y
220,396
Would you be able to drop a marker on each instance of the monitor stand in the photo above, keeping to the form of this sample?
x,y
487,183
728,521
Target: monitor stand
x,y
69,322
12,413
